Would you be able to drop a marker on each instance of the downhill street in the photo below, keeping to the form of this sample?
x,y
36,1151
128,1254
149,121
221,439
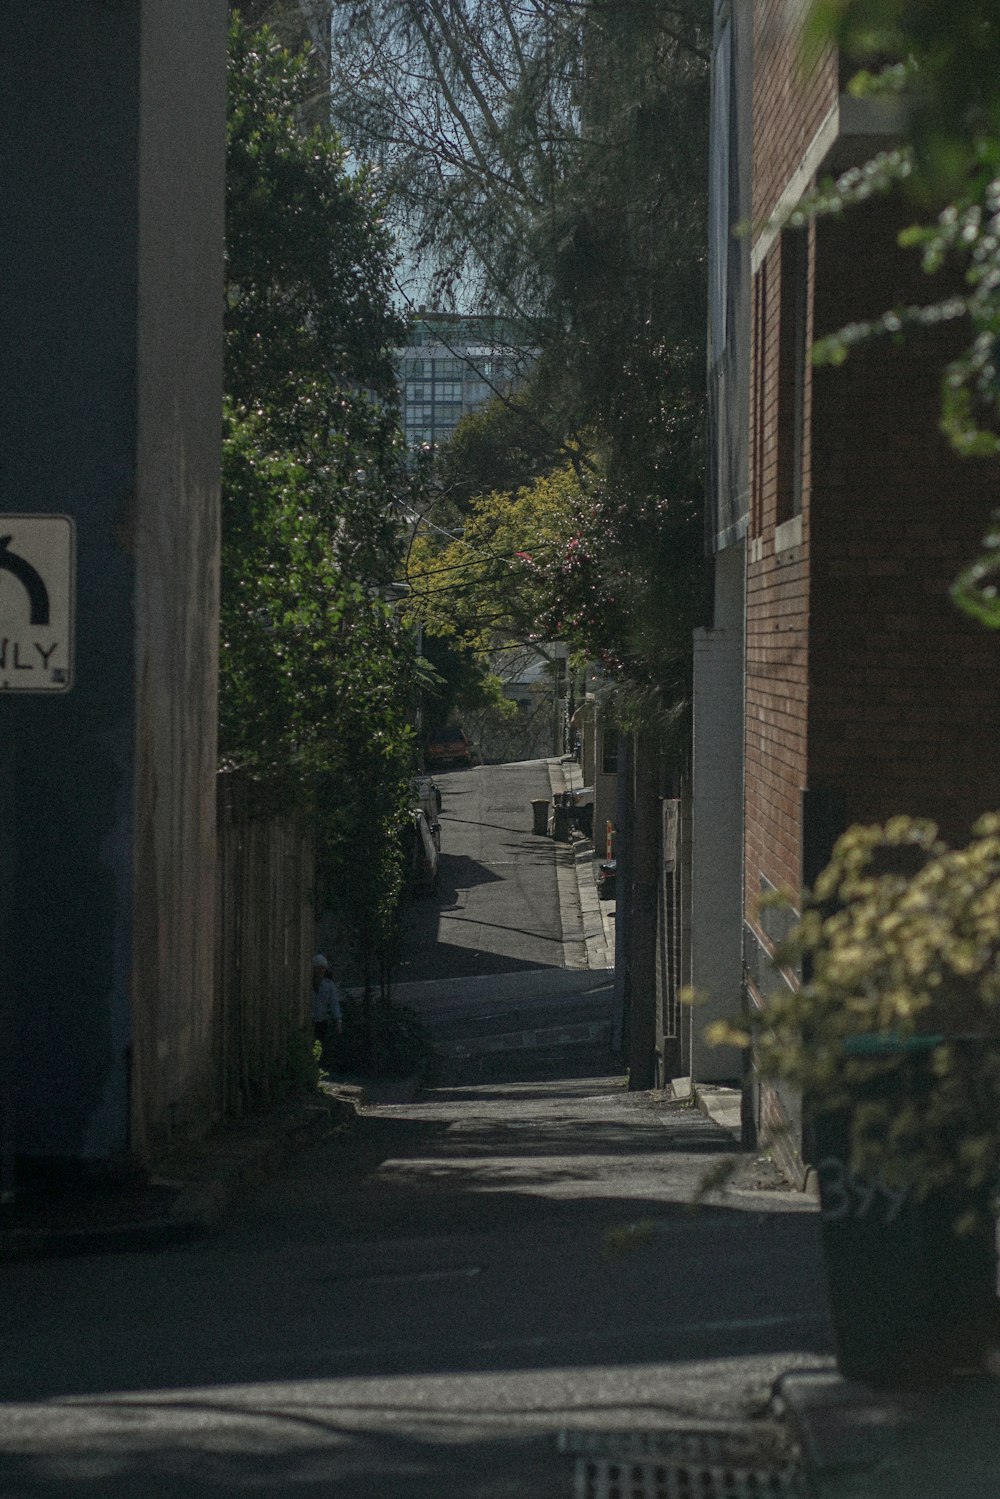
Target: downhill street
x,y
470,1294
497,906
495,961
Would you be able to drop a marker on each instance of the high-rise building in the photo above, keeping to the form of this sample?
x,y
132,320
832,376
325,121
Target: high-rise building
x,y
452,365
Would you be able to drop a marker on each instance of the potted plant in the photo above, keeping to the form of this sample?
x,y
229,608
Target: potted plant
x,y
892,1038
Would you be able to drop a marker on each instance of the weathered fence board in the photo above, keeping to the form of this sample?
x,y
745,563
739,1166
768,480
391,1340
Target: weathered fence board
x,y
265,922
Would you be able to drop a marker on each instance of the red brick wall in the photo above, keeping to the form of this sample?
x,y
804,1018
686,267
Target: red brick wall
x,y
904,691
790,104
791,101
777,614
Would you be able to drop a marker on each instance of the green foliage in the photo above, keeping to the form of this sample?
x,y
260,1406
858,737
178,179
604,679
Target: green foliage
x,y
551,159
944,57
977,589
503,446
316,669
483,586
902,942
624,246
309,326
464,683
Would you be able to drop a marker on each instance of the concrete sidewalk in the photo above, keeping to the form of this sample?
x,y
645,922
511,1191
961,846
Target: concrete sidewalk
x,y
597,919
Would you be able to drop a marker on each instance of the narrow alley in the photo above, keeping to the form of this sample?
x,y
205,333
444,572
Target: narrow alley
x,y
494,1288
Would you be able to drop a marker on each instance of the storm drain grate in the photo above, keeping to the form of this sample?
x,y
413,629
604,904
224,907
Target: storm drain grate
x,y
682,1465
611,1478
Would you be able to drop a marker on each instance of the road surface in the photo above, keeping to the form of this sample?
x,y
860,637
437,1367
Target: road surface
x,y
467,1296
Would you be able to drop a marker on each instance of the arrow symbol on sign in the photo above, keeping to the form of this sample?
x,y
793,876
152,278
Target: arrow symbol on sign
x,y
38,594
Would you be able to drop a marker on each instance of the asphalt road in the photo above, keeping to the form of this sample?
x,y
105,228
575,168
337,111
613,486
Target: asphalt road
x,y
485,957
420,1309
496,909
452,1298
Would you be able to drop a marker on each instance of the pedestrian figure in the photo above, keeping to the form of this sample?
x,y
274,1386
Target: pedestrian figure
x,y
326,1010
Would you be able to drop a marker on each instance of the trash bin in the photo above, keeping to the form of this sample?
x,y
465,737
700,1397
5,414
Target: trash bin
x,y
540,815
583,801
911,1300
562,817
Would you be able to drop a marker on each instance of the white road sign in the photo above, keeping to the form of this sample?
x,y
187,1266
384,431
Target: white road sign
x,y
37,605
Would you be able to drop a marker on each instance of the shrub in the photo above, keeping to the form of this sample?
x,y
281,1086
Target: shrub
x,y
899,1014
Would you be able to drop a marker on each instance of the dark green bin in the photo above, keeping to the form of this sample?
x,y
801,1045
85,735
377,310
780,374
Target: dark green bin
x,y
911,1301
540,815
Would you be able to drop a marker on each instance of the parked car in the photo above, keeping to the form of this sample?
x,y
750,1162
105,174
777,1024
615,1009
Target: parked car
x,y
448,746
424,858
607,879
427,796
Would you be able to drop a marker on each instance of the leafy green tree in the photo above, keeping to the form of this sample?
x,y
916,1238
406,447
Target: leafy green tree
x,y
551,160
502,446
316,665
484,586
551,163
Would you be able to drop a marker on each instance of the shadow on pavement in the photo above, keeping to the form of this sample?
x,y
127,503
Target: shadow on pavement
x,y
384,1317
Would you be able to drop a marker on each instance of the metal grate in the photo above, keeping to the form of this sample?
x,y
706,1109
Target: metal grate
x,y
719,1464
645,1478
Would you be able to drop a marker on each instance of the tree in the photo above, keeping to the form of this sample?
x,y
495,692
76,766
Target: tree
x,y
316,667
550,161
485,586
498,447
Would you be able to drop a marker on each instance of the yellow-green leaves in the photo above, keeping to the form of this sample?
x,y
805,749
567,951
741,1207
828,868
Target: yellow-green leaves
x,y
486,584
902,939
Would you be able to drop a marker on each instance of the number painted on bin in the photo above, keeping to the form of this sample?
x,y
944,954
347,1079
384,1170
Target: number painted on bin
x,y
846,1195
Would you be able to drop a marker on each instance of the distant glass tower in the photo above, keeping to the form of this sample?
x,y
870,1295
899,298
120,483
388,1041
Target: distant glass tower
x,y
453,364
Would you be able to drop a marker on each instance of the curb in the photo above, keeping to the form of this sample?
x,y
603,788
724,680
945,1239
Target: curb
x,y
210,1181
845,1430
722,1105
599,951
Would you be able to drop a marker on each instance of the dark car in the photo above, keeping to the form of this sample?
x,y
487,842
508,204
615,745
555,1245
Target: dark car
x,y
427,796
448,746
422,855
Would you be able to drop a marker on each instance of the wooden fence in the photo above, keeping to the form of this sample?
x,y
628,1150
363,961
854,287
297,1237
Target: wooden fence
x,y
265,924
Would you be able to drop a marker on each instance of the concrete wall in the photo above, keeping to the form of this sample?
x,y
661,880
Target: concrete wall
x,y
717,821
591,759
112,118
179,398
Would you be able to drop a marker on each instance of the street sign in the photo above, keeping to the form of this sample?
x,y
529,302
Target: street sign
x,y
37,606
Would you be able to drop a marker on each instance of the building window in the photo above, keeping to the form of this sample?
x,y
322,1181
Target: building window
x,y
793,349
757,400
609,752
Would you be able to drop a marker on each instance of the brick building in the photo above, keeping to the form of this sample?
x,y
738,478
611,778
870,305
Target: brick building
x,y
837,683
